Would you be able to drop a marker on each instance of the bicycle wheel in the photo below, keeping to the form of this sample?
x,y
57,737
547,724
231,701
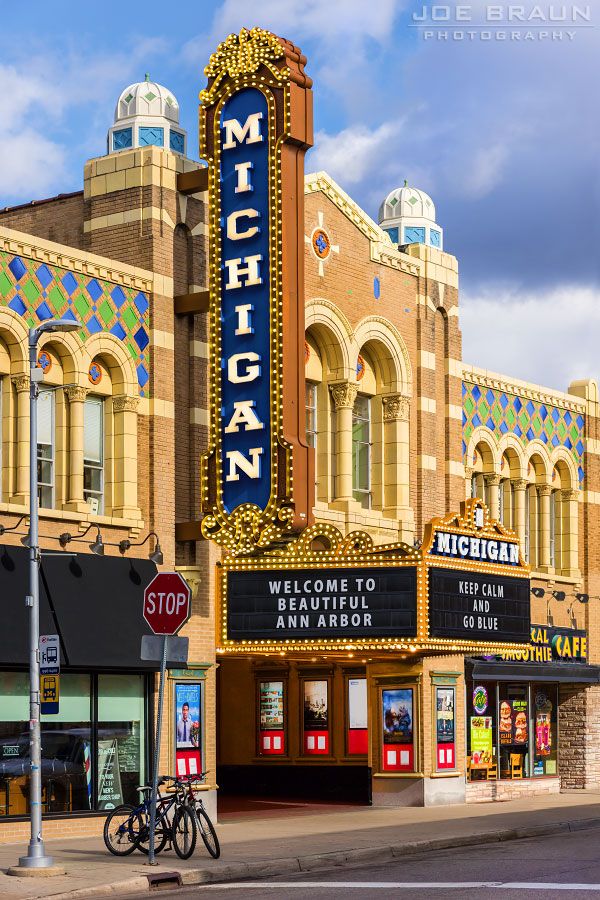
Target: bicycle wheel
x,y
122,829
184,832
208,833
161,834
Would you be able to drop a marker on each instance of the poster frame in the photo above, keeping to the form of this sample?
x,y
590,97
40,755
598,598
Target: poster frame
x,y
263,678
200,681
317,733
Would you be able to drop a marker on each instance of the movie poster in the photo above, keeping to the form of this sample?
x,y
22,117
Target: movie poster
x,y
482,734
271,705
513,721
316,712
398,716
187,711
445,715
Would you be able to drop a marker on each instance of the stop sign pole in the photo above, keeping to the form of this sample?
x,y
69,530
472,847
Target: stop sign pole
x,y
166,609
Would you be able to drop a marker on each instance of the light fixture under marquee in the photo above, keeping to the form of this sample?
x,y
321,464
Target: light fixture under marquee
x,y
257,476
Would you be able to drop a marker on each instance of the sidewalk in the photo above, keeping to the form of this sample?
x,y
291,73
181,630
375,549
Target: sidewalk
x,y
306,840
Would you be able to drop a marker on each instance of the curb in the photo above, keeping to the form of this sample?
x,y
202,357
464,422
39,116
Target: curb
x,y
328,861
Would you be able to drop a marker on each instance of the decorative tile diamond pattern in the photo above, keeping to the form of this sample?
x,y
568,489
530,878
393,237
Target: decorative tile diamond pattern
x,y
37,292
527,419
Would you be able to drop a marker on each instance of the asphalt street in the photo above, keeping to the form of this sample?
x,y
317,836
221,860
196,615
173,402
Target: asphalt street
x,y
566,865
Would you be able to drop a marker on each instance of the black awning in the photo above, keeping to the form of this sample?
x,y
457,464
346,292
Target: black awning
x,y
94,603
575,673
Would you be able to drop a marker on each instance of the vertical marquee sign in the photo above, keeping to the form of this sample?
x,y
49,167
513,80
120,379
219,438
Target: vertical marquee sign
x,y
255,128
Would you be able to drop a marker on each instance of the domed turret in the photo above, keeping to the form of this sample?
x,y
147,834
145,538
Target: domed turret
x,y
408,216
147,114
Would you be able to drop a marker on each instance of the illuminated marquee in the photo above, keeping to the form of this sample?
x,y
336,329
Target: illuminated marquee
x,y
332,592
255,126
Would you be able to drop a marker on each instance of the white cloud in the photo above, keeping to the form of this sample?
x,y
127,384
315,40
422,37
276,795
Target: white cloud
x,y
31,166
41,99
331,23
351,154
549,338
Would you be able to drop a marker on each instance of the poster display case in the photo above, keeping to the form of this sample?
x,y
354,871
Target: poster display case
x,y
188,711
271,718
445,727
315,723
398,718
357,731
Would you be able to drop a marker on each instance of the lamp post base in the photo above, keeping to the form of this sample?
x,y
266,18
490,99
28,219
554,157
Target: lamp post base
x,y
40,867
36,857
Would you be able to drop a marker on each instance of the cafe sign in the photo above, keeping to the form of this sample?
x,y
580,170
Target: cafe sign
x,y
550,644
255,127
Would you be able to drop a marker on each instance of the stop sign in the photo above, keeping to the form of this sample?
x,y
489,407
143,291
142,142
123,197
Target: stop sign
x,y
167,603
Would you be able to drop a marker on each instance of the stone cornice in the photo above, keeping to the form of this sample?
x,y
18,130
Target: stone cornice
x,y
381,248
21,244
522,388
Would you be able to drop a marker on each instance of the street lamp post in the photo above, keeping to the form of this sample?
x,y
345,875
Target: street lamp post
x,y
36,857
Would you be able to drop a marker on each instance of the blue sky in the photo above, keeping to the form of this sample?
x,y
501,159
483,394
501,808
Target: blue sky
x,y
503,133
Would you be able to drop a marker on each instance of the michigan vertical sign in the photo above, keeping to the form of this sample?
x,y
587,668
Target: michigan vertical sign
x,y
255,127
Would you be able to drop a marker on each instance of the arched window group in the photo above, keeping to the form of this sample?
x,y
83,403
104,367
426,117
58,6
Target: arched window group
x,y
358,387
533,493
86,424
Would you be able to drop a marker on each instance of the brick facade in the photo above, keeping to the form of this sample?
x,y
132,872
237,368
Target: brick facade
x,y
398,309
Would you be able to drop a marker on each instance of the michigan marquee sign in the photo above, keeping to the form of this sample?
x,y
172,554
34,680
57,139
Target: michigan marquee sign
x,y
255,127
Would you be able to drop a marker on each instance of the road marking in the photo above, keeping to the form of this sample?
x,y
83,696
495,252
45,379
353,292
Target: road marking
x,y
406,885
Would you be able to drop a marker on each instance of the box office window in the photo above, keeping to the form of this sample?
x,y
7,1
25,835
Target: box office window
x,y
79,749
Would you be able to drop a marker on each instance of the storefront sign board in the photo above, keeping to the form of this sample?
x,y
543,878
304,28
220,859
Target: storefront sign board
x,y
308,603
549,643
478,606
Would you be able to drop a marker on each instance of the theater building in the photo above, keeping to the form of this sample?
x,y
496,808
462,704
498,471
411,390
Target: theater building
x,y
454,527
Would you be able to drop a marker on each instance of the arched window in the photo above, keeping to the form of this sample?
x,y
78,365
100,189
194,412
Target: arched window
x,y
46,448
361,450
311,413
93,454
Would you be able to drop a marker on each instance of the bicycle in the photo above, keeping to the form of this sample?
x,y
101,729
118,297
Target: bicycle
x,y
203,822
127,827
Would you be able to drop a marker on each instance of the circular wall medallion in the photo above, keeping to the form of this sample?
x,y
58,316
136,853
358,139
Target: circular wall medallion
x,y
44,361
360,367
95,373
321,243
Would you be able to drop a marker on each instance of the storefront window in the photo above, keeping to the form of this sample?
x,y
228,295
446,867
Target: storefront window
x,y
121,727
513,730
545,728
66,738
481,732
